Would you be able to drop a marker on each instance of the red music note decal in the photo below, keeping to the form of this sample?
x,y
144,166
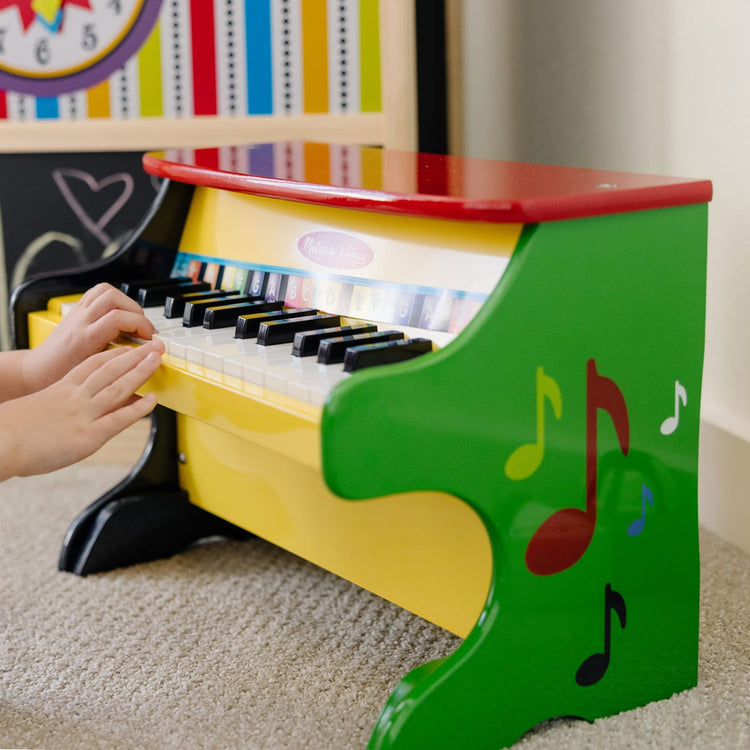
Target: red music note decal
x,y
563,538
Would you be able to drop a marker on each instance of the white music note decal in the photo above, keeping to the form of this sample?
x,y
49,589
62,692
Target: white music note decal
x,y
669,425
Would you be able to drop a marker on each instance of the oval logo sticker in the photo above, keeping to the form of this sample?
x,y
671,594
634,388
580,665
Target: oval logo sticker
x,y
335,250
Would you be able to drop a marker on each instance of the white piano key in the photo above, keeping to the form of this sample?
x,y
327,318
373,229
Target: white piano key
x,y
214,346
314,387
264,371
157,319
154,313
176,339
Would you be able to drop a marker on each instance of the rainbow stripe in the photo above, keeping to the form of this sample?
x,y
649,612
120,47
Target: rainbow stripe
x,y
149,85
258,70
204,57
314,64
234,58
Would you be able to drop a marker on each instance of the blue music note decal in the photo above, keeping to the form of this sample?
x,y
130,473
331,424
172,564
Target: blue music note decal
x,y
638,525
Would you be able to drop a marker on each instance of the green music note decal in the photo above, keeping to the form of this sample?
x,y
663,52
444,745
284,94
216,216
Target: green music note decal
x,y
526,459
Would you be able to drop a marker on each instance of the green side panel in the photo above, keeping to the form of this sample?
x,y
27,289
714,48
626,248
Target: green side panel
x,y
567,416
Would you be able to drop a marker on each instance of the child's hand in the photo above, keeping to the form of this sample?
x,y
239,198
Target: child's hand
x,y
73,417
96,319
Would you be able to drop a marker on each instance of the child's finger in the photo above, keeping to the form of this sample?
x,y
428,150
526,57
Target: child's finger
x,y
113,385
94,363
104,297
114,422
108,327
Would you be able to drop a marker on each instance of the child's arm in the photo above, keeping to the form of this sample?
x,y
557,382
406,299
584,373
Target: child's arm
x,y
70,419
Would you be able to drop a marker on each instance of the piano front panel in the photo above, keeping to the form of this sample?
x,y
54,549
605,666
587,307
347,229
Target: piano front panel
x,y
428,552
251,447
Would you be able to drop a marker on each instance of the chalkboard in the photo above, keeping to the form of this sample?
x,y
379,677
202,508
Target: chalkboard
x,y
60,210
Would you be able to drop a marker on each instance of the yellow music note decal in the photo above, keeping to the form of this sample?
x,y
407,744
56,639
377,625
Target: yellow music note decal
x,y
526,459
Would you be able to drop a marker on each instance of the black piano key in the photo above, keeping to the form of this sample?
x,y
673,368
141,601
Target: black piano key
x,y
385,353
306,343
224,316
249,325
194,311
174,305
282,331
131,287
332,351
157,295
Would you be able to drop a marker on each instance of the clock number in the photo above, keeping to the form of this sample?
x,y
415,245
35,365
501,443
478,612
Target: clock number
x,y
89,40
42,51
116,5
3,32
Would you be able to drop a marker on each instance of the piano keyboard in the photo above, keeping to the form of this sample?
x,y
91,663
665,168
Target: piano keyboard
x,y
299,353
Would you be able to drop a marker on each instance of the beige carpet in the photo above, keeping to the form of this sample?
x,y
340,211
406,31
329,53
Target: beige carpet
x,y
241,645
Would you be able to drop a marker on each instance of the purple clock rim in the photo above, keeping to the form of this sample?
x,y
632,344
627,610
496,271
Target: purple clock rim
x,y
98,71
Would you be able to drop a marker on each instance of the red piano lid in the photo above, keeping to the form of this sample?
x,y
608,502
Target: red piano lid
x,y
400,182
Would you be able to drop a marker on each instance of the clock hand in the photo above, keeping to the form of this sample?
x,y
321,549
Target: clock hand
x,y
47,9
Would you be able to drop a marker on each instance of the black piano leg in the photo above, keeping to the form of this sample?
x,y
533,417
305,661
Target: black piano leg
x,y
145,517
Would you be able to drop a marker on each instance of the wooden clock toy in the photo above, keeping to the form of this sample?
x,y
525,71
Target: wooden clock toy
x,y
51,47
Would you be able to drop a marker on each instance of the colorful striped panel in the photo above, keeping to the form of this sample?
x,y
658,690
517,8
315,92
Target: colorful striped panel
x,y
234,58
448,310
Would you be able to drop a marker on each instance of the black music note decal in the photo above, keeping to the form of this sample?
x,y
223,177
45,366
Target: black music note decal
x,y
638,525
563,538
593,668
669,425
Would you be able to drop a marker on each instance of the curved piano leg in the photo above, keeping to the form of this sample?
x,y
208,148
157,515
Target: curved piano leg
x,y
145,517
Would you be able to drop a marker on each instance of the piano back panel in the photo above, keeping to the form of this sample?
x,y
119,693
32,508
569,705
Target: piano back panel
x,y
577,386
149,252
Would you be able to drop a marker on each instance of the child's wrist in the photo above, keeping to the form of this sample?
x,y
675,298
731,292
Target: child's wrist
x,y
9,449
31,368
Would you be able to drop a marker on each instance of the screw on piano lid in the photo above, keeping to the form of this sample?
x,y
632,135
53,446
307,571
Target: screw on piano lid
x,y
605,186
181,458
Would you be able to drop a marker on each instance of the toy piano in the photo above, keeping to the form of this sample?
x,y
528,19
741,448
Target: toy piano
x,y
488,413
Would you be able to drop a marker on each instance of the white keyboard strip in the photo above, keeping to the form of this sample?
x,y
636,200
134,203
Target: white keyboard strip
x,y
270,367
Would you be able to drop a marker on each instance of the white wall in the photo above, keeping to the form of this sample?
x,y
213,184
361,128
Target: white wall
x,y
659,86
